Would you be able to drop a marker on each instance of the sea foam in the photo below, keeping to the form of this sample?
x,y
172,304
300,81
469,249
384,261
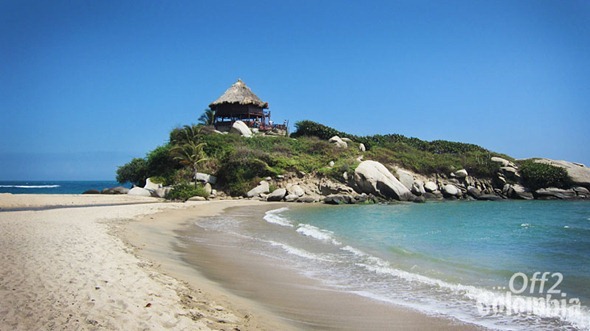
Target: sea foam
x,y
272,216
317,233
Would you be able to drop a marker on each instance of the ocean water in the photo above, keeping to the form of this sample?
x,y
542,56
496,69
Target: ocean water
x,y
510,265
53,187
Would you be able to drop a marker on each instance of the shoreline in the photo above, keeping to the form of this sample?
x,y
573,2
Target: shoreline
x,y
292,300
126,266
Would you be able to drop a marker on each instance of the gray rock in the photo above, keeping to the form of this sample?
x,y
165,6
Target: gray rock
x,y
501,161
338,142
197,198
241,128
461,173
582,192
291,198
372,177
489,197
92,191
138,191
362,147
308,199
430,187
277,195
451,190
206,178
162,192
521,192
331,164
208,188
551,193
338,199
474,192
151,186
258,190
120,190
406,178
418,188
296,190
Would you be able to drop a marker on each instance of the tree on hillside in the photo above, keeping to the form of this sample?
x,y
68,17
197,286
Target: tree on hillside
x,y
190,154
207,117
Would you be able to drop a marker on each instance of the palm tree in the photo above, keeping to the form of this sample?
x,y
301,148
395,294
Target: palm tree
x,y
190,154
207,117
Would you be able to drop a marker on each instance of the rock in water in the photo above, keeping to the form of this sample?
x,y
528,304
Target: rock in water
x,y
372,177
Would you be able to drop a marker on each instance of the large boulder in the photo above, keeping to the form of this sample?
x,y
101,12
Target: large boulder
x,y
241,128
372,177
362,147
418,188
578,173
461,173
296,190
520,192
502,162
258,190
406,178
277,195
338,199
151,186
338,142
451,190
551,193
430,187
206,178
139,191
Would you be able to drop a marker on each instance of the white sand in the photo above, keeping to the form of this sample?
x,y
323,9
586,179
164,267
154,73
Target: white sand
x,y
61,269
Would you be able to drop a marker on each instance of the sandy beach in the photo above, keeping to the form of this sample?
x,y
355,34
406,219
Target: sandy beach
x,y
116,263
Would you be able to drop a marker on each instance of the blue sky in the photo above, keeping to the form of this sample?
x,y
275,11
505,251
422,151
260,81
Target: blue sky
x,y
87,85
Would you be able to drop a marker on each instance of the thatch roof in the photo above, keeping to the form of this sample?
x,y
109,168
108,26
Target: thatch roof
x,y
241,94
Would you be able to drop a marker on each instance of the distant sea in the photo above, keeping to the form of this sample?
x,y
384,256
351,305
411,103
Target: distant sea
x,y
54,187
508,265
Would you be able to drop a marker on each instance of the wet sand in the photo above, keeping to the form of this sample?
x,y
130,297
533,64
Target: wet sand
x,y
270,289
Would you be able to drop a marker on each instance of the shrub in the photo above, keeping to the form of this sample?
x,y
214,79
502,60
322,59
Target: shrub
x,y
540,175
135,172
186,191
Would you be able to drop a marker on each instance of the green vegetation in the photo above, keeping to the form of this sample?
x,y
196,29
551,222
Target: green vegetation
x,y
240,163
540,175
186,191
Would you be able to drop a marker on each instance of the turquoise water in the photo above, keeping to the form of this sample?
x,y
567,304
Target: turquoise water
x,y
53,187
472,261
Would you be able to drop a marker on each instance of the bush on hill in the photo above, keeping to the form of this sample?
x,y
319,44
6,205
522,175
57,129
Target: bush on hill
x,y
541,175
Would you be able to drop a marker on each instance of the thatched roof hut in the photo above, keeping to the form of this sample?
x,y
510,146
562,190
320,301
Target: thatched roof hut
x,y
239,103
240,94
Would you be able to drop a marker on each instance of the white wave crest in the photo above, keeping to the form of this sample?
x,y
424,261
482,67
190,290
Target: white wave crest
x,y
354,251
317,233
297,251
29,186
272,216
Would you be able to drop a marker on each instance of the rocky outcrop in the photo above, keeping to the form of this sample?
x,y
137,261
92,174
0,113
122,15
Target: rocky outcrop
x,y
578,173
405,177
552,193
262,188
338,142
241,128
372,177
